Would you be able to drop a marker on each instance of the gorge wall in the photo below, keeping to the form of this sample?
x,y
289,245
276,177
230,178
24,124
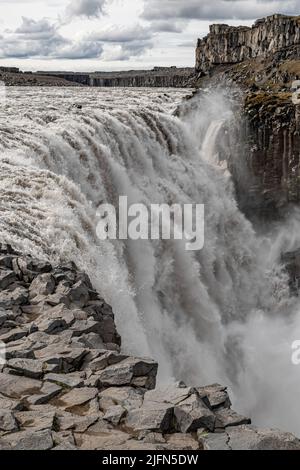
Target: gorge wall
x,y
264,62
230,45
158,77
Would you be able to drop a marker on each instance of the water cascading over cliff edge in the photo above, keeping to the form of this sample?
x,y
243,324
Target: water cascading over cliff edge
x,y
221,314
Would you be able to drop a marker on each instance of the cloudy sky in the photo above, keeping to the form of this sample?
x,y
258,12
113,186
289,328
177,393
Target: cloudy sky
x,y
117,34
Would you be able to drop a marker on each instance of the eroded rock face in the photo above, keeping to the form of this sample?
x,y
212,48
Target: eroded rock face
x,y
277,34
66,385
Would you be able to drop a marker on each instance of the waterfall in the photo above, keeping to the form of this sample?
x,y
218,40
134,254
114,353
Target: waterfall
x,y
206,316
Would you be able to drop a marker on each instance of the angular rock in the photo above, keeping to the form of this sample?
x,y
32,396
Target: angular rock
x,y
173,394
80,424
152,418
250,438
8,422
27,440
103,441
10,404
131,371
65,359
72,380
78,397
20,387
128,397
39,420
48,392
216,394
13,335
115,414
226,417
192,414
7,277
28,367
14,297
181,442
106,359
43,284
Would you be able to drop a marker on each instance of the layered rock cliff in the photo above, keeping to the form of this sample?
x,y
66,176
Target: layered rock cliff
x,y
277,34
158,77
264,62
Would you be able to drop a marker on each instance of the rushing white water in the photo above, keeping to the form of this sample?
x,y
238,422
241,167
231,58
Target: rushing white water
x,y
221,314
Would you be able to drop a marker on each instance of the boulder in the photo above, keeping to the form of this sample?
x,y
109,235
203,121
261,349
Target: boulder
x,y
131,371
192,414
216,394
151,418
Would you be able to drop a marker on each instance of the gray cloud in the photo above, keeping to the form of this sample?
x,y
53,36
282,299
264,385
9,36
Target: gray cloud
x,y
123,35
88,8
133,41
41,39
155,10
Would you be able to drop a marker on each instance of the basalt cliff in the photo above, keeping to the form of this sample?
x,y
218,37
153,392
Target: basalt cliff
x,y
264,61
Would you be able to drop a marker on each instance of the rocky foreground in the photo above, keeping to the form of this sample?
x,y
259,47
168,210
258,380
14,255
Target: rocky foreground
x,y
66,385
